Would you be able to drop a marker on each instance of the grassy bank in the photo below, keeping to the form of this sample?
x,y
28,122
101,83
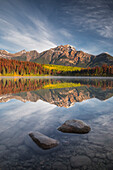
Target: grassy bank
x,y
61,68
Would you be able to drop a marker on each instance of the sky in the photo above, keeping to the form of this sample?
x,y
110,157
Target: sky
x,y
43,24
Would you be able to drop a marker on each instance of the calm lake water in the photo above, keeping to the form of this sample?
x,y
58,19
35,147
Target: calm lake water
x,y
42,105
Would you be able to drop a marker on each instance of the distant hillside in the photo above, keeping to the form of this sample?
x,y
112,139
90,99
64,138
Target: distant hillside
x,y
103,58
65,55
21,56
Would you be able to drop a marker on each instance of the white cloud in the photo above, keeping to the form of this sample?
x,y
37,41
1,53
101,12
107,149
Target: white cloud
x,y
106,31
65,33
21,37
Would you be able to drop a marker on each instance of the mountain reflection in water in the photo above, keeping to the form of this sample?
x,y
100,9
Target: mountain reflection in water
x,y
61,92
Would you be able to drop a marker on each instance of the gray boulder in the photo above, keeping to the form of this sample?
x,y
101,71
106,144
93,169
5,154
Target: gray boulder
x,y
74,126
43,141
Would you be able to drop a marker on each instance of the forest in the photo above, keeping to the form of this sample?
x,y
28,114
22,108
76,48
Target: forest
x,y
21,68
95,71
25,68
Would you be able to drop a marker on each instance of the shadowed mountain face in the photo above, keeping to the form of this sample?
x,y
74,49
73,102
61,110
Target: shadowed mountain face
x,y
63,93
101,59
61,55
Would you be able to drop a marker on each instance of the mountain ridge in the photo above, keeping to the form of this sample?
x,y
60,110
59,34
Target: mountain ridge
x,y
61,55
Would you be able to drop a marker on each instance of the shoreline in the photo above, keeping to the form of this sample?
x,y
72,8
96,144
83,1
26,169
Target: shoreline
x,y
59,77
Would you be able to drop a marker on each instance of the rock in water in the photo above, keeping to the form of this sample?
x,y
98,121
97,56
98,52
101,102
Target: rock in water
x,y
43,141
79,160
74,126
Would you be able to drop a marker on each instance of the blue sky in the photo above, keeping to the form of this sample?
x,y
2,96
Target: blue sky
x,y
43,24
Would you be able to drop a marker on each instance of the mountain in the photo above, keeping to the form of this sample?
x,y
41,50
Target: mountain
x,y
64,55
27,56
103,58
21,56
61,55
6,54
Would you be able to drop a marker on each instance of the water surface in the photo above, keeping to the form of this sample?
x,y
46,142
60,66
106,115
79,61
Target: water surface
x,y
31,105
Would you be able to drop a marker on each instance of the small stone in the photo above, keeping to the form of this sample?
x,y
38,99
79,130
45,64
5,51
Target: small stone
x,y
23,148
59,166
110,156
100,155
95,159
74,126
43,141
77,161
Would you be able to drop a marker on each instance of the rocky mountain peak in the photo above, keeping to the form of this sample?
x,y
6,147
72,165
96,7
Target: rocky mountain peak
x,y
106,53
4,52
21,52
70,47
63,49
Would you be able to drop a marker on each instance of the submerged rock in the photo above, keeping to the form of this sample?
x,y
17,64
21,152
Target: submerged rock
x,y
59,165
77,161
74,126
43,141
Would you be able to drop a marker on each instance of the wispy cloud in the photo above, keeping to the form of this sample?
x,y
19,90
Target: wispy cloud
x,y
90,15
106,31
21,30
45,24
27,37
65,33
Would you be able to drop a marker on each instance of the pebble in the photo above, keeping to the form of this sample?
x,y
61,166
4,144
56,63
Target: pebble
x,y
77,161
59,166
110,156
101,156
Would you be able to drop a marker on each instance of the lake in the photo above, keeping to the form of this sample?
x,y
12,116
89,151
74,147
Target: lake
x,y
42,105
